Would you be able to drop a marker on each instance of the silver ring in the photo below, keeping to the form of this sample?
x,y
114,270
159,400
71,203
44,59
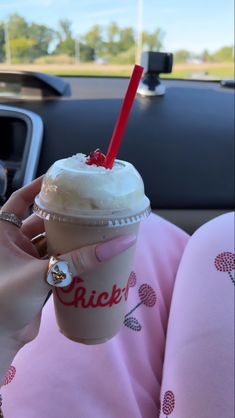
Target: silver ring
x,y
58,274
12,218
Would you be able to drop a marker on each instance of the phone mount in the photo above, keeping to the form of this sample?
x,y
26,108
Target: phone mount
x,y
154,64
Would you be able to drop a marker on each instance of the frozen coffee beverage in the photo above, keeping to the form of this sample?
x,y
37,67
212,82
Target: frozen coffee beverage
x,y
83,203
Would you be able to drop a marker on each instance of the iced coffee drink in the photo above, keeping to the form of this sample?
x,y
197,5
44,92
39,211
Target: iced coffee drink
x,y
84,203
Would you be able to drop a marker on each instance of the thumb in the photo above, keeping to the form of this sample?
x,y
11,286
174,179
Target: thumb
x,y
89,257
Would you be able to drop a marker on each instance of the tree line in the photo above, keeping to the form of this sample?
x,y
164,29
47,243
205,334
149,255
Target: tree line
x,y
26,42
23,42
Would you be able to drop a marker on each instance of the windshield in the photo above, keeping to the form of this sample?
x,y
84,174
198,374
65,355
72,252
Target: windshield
x,y
99,37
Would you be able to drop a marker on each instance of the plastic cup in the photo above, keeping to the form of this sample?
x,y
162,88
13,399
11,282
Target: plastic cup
x,y
92,309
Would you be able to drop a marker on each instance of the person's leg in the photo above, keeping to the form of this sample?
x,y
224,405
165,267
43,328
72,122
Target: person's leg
x,y
198,376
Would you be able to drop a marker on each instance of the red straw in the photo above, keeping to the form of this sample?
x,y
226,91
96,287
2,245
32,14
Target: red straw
x,y
119,128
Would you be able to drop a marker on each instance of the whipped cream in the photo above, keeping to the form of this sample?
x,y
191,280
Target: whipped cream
x,y
72,187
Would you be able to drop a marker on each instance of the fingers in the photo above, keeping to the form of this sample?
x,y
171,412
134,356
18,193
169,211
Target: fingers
x,y
62,271
106,250
33,226
21,200
88,258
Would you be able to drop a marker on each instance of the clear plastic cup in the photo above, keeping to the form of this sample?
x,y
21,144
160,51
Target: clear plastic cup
x,y
82,206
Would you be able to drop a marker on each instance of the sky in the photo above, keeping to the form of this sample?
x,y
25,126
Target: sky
x,y
194,25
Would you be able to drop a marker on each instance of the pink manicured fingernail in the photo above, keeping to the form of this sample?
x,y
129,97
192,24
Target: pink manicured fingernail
x,y
109,249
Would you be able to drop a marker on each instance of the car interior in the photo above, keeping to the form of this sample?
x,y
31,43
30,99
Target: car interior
x,y
179,136
68,283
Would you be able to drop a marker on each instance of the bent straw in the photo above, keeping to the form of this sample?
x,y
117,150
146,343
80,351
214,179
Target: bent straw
x,y
119,128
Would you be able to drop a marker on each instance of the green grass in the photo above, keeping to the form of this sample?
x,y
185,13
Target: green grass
x,y
90,72
213,70
217,73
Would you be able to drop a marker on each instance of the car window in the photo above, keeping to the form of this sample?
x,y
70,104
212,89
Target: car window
x,y
99,37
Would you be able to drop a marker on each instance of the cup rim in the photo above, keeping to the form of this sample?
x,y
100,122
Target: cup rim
x,y
95,218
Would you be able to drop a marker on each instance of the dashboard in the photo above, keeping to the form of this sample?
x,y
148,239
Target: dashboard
x,y
182,143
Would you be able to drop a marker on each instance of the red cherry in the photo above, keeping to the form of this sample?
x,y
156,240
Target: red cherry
x,y
96,157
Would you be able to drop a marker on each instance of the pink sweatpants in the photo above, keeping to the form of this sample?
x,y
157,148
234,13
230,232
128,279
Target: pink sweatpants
x,y
198,374
176,344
